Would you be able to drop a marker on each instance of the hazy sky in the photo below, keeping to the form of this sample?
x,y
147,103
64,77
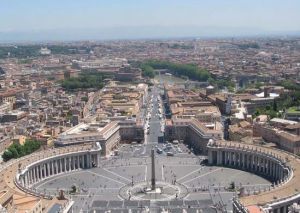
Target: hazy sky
x,y
33,16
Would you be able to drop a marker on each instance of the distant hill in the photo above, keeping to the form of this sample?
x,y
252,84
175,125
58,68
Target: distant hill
x,y
137,32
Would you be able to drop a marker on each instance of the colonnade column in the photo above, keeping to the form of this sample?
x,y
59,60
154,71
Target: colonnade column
x,y
31,176
99,159
34,174
73,159
83,160
40,171
78,163
26,179
52,167
65,164
56,166
219,158
90,160
60,169
48,168
68,164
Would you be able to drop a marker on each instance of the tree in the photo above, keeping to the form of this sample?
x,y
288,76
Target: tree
x,y
16,150
147,71
275,105
84,81
7,155
191,71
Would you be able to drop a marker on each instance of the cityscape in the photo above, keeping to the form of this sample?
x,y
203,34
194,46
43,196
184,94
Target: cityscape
x,y
168,122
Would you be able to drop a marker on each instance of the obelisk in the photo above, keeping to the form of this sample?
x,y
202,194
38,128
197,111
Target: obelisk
x,y
152,170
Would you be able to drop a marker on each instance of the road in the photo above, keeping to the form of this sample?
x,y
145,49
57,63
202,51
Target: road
x,y
155,121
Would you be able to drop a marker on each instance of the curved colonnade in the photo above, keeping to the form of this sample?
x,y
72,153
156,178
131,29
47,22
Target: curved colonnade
x,y
29,170
277,166
54,165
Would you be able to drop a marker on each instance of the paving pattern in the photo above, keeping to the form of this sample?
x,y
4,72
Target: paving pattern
x,y
99,188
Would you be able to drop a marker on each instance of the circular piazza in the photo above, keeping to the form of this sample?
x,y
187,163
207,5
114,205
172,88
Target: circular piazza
x,y
231,177
123,182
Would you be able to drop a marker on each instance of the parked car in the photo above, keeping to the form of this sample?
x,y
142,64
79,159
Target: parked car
x,y
170,154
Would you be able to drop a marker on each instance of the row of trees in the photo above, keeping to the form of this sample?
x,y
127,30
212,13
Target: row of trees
x,y
147,71
191,71
84,81
16,150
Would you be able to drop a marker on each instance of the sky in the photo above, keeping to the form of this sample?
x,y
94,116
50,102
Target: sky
x,y
122,19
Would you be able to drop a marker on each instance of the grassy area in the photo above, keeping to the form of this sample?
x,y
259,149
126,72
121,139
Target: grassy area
x,y
84,81
293,110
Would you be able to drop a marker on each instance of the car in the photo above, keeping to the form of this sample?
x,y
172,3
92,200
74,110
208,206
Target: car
x,y
175,141
170,154
159,151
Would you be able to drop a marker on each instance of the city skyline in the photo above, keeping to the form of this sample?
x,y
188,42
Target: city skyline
x,y
101,20
150,106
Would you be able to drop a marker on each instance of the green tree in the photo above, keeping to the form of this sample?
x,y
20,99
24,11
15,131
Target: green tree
x,y
7,155
147,71
16,150
84,81
192,71
275,105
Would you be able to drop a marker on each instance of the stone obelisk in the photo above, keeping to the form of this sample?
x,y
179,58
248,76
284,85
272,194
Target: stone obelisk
x,y
152,170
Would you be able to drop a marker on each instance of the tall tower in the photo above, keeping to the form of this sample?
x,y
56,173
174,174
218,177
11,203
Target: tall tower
x,y
152,170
